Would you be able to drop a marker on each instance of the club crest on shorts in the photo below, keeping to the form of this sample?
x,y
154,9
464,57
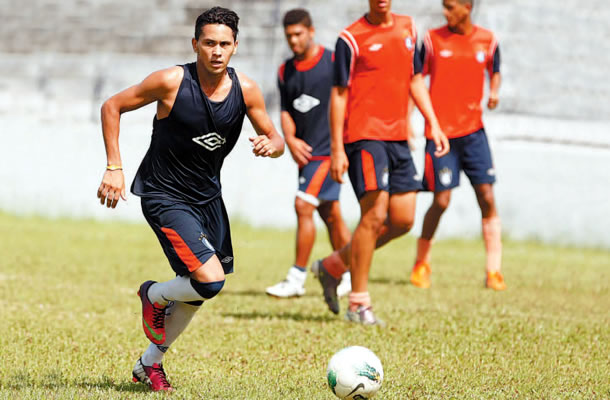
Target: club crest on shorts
x,y
206,242
480,56
445,176
210,141
385,177
304,103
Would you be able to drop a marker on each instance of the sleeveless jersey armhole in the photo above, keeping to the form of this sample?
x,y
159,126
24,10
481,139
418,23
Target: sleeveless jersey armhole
x,y
184,67
241,92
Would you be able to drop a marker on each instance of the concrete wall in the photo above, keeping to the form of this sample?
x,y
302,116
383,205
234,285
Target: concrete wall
x,y
60,59
555,54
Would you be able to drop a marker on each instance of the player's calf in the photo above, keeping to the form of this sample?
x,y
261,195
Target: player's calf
x,y
155,297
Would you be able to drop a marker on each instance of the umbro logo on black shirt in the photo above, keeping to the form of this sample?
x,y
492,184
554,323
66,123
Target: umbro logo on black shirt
x,y
210,141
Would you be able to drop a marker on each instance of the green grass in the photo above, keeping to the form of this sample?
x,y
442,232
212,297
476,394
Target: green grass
x,y
70,322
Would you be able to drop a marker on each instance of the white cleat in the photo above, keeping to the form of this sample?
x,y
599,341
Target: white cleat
x,y
363,316
292,286
285,288
345,287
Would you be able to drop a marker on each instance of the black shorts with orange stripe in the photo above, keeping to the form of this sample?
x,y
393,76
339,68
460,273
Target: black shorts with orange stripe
x,y
315,183
381,165
190,234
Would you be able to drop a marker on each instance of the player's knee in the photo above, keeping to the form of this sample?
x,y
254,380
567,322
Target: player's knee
x,y
404,227
207,290
442,200
329,213
374,219
303,208
487,198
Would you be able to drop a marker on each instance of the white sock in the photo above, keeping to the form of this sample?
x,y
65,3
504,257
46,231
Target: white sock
x,y
297,276
152,355
177,317
178,289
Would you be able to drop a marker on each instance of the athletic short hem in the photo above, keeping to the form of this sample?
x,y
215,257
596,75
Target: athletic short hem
x,y
441,189
360,196
182,267
308,198
491,181
414,190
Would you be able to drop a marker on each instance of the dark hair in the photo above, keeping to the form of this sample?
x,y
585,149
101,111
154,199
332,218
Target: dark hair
x,y
471,2
217,15
297,16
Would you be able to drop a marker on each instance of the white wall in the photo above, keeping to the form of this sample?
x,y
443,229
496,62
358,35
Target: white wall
x,y
547,191
60,59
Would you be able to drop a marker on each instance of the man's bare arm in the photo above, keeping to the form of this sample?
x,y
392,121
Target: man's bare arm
x,y
410,131
338,158
158,86
299,149
494,89
421,96
269,142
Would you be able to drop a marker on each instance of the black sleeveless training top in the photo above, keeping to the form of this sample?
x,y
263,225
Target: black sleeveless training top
x,y
188,147
305,95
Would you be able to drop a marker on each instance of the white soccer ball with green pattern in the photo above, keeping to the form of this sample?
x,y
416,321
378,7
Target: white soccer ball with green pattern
x,y
354,373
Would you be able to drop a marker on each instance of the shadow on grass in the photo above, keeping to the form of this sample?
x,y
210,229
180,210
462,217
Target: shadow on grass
x,y
245,292
107,383
253,292
284,315
23,380
388,281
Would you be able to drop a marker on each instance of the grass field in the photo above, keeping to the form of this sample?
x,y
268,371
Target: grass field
x,y
71,323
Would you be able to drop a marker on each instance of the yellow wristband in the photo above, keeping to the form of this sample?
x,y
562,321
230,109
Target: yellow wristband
x,y
113,167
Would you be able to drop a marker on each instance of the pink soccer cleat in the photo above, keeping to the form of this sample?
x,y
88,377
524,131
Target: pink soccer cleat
x,y
153,376
153,316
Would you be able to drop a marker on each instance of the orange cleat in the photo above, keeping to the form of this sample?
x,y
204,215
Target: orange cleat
x,y
420,276
495,281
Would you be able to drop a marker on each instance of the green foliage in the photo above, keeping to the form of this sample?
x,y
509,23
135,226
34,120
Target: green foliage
x,y
71,320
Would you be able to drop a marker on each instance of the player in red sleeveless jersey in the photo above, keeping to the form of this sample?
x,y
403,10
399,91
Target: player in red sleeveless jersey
x,y
375,70
457,56
305,81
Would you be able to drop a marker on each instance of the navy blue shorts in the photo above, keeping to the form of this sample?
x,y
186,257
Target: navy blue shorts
x,y
315,182
469,153
190,234
380,165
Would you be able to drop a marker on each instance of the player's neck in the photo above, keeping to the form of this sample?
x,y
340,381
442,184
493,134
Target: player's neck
x,y
208,81
464,28
381,19
310,53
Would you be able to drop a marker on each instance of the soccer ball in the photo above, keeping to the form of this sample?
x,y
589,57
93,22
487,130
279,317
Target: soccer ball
x,y
354,373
